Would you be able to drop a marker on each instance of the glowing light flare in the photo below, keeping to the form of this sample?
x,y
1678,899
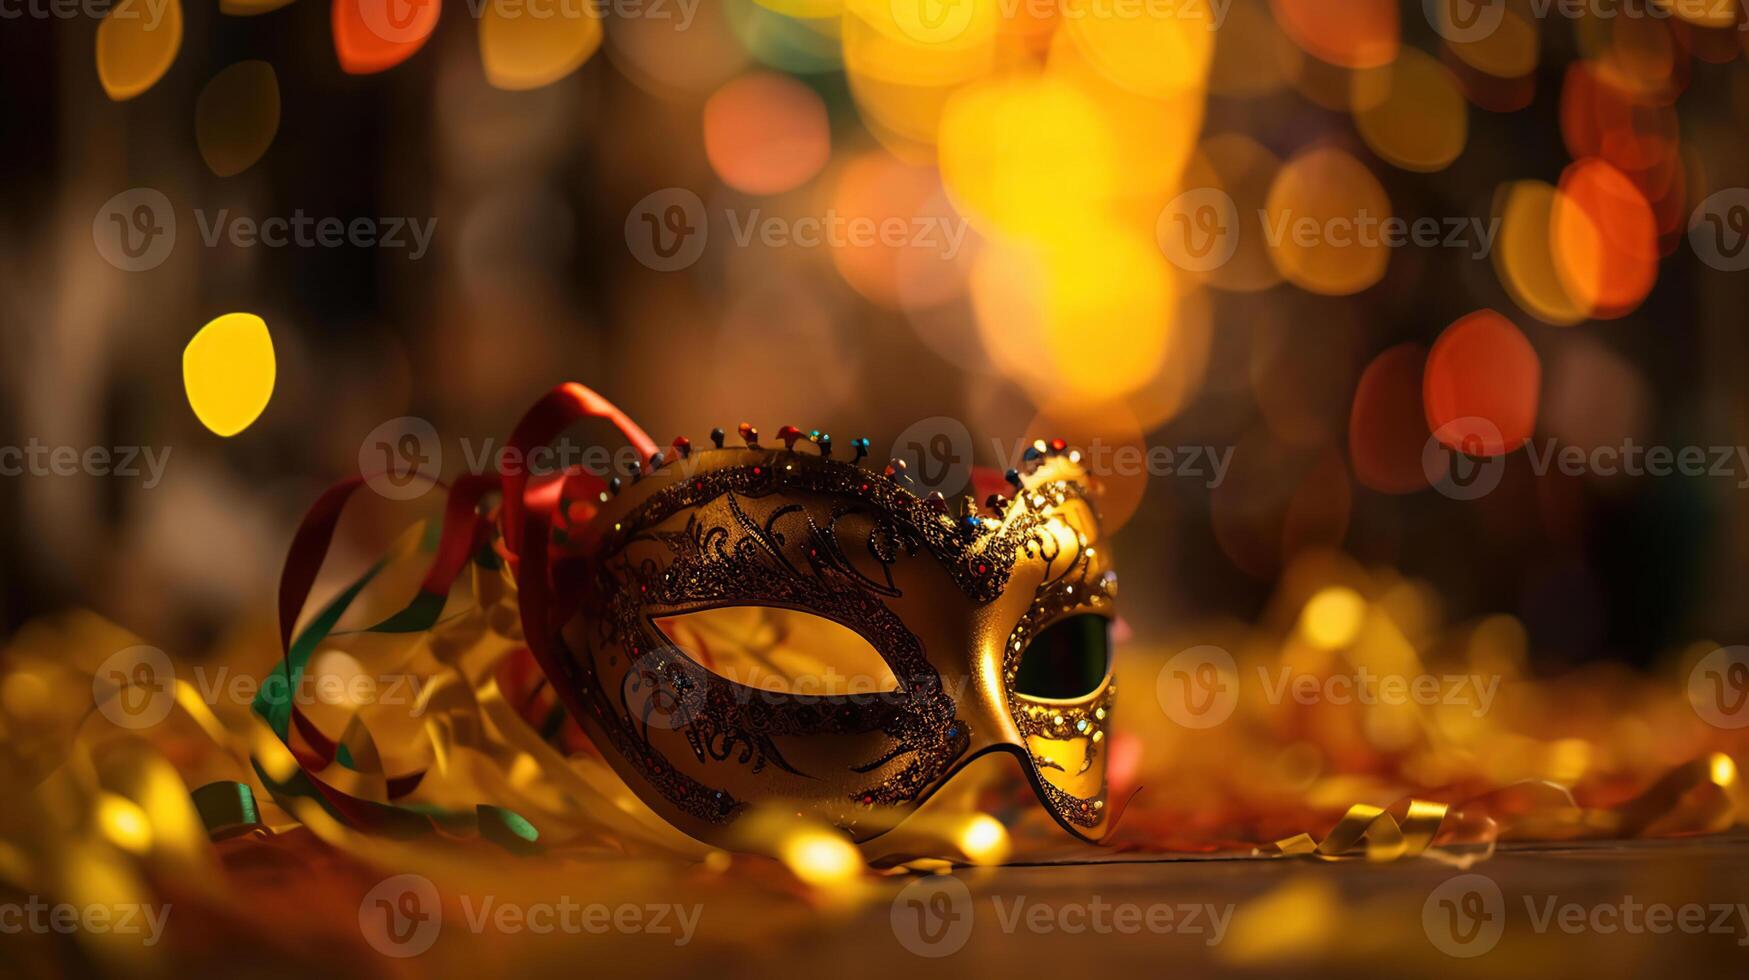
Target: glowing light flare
x,y
913,253
1605,239
1331,619
1158,132
134,50
1413,114
124,824
766,133
1387,425
1158,50
1037,305
1352,34
984,840
228,372
820,857
1524,258
1481,386
376,35
1324,223
1027,156
520,51
236,117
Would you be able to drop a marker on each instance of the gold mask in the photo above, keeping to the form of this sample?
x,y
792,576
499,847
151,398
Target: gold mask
x,y
779,624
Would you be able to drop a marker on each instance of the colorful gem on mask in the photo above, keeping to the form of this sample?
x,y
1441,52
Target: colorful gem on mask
x,y
749,435
717,437
789,435
683,446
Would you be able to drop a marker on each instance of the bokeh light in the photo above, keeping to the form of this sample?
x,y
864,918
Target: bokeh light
x,y
766,133
1324,223
1412,113
236,117
1481,385
522,52
134,51
228,371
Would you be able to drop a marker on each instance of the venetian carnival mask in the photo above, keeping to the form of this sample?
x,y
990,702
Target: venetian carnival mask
x,y
793,623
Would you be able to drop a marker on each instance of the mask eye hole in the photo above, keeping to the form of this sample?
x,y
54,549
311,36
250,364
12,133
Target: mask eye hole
x,y
784,651
1067,660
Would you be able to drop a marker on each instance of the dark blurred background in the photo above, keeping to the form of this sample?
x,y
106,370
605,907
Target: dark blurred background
x,y
532,278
